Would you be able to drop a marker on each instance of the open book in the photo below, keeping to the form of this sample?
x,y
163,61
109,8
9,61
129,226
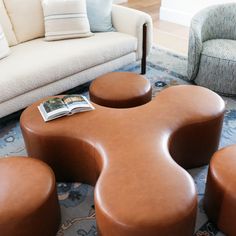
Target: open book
x,y
62,106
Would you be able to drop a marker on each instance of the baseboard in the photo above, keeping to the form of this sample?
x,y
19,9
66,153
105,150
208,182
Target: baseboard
x,y
174,16
119,1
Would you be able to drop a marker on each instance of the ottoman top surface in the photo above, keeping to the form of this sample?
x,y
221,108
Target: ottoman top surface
x,y
25,184
120,86
223,167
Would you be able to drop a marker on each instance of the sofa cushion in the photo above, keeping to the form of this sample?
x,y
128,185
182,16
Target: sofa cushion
x,y
37,63
4,49
65,19
27,18
99,14
6,25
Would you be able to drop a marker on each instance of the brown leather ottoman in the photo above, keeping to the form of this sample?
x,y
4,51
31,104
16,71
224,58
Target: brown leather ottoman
x,y
220,195
120,90
28,199
134,156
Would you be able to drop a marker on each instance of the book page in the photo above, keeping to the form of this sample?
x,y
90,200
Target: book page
x,y
77,102
54,107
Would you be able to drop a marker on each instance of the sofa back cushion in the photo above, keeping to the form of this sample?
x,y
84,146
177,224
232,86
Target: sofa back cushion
x,y
26,17
6,25
4,49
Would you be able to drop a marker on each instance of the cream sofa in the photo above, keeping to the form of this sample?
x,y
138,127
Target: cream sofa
x,y
36,68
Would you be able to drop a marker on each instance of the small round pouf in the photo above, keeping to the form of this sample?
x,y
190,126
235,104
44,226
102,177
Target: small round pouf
x,y
28,200
220,194
120,90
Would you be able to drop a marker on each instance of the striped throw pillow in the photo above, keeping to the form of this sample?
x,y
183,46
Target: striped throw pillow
x,y
4,48
65,19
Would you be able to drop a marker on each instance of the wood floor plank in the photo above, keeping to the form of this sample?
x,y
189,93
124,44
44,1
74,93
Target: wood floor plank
x,y
166,34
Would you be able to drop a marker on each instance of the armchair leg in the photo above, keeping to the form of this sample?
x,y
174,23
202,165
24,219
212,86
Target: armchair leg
x,y
144,56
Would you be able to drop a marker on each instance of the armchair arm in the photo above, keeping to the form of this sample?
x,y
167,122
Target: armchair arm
x,y
194,47
130,21
215,22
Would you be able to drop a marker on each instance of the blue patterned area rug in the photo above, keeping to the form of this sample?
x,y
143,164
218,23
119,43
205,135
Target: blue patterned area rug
x,y
78,215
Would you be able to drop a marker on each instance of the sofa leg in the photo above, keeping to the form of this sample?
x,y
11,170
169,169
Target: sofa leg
x,y
144,56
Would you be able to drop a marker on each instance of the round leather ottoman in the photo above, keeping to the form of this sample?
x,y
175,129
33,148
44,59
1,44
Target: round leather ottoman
x,y
120,90
220,194
28,200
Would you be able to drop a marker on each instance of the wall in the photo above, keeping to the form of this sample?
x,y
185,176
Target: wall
x,y
181,11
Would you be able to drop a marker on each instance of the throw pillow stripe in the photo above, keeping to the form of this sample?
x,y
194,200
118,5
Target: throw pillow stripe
x,y
64,16
73,13
67,33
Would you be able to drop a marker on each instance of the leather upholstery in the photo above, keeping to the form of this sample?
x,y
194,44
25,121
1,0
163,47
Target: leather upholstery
x,y
120,90
28,198
220,195
129,154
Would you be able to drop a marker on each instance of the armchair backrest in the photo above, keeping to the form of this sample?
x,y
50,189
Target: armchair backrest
x,y
217,22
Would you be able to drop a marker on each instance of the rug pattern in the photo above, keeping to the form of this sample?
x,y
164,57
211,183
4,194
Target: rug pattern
x,y
76,200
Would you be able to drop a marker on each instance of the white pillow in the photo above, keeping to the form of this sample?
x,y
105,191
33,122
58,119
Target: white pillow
x,y
7,25
26,17
4,48
65,19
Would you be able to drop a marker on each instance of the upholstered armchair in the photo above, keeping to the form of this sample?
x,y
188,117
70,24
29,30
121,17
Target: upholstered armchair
x,y
212,48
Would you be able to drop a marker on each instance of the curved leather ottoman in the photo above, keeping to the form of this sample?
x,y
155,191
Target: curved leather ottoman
x,y
120,90
134,156
220,195
28,199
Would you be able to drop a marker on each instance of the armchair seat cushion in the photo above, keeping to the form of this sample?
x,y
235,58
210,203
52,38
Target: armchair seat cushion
x,y
217,68
37,63
223,49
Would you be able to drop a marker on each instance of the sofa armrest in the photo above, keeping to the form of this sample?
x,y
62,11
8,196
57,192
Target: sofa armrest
x,y
130,21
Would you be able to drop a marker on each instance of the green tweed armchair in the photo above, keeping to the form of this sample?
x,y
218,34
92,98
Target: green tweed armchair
x,y
212,48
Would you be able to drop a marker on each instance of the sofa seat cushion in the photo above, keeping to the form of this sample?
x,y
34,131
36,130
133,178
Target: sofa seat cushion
x,y
37,63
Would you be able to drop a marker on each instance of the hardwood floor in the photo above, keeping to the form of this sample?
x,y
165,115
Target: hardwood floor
x,y
168,35
150,6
